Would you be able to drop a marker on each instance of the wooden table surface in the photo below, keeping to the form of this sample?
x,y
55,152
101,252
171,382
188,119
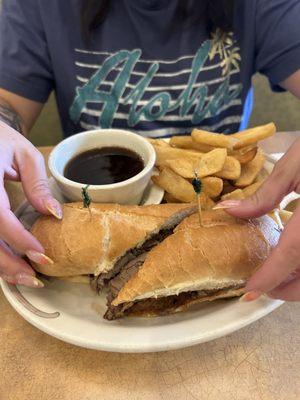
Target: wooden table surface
x,y
259,362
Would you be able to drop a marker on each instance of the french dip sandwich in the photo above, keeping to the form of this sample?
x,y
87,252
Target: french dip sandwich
x,y
158,259
194,264
98,243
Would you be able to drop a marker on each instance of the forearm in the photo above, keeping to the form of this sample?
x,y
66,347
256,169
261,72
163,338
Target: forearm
x,y
9,116
292,84
18,112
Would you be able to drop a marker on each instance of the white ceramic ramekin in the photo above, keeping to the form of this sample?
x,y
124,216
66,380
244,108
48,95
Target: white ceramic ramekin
x,y
126,192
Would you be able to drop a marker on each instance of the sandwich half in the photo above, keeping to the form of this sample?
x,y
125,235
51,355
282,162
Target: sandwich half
x,y
193,264
96,245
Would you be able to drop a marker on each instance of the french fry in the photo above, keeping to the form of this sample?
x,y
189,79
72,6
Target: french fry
x,y
251,170
244,157
285,216
212,186
246,149
187,142
207,203
231,169
163,154
214,139
277,218
170,199
292,205
253,135
158,142
281,217
211,163
174,184
182,166
229,166
250,190
235,195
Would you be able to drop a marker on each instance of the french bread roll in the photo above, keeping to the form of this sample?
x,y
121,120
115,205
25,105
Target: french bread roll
x,y
196,263
86,242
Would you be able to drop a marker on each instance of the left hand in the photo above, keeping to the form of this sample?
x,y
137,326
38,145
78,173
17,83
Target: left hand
x,y
279,276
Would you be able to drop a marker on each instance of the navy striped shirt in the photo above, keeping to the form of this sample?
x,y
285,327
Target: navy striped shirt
x,y
147,70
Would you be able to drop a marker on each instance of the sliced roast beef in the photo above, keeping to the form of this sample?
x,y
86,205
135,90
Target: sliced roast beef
x,y
100,281
116,284
163,305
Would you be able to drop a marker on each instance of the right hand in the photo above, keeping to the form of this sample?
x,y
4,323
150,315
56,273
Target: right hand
x,y
21,161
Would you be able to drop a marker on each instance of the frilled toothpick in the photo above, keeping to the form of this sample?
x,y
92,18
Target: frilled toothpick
x,y
86,199
197,185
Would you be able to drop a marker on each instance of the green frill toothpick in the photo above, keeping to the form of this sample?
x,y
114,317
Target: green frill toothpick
x,y
197,185
86,199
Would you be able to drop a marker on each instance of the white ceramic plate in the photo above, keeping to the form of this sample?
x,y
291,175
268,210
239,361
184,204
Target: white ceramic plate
x,y
73,313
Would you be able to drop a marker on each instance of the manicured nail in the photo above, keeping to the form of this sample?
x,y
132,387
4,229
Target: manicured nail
x,y
227,204
28,280
39,258
54,208
250,296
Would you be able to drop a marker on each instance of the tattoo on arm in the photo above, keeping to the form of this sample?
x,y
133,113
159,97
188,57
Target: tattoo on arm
x,y
10,117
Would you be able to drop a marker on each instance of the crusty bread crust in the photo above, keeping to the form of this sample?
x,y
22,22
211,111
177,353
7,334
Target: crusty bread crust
x,y
90,243
224,252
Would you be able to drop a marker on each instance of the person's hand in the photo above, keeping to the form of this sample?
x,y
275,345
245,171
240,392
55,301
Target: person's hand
x,y
21,161
279,277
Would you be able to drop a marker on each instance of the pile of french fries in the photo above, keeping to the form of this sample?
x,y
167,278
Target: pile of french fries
x,y
229,166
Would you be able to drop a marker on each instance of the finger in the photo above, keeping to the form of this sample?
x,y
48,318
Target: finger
x,y
15,270
35,183
283,260
4,200
283,180
12,175
11,229
267,197
288,292
8,170
14,233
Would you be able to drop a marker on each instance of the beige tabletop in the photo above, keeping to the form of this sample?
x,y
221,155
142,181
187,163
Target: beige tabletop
x,y
259,362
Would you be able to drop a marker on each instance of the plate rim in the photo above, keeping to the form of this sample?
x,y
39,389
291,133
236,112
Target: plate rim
x,y
147,347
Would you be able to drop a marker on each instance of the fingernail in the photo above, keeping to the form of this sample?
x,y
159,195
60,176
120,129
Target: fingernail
x,y
250,296
227,204
39,258
54,208
28,280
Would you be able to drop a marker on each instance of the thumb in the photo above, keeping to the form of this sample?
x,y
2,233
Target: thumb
x,y
35,183
266,199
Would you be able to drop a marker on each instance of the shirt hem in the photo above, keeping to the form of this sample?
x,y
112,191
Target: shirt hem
x,y
287,66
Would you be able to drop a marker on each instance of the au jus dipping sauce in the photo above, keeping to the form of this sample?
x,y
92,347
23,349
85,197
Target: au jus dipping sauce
x,y
104,166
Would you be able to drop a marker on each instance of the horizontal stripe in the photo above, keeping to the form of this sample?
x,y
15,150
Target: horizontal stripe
x,y
172,118
105,53
169,88
166,132
145,102
169,117
172,61
166,74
